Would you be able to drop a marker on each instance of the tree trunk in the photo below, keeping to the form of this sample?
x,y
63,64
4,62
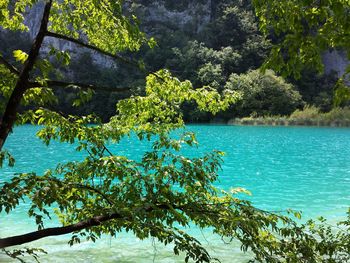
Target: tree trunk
x,y
9,116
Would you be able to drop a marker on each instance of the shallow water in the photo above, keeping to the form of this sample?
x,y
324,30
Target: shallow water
x,y
302,168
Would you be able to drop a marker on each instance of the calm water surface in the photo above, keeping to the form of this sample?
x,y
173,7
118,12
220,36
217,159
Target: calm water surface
x,y
301,168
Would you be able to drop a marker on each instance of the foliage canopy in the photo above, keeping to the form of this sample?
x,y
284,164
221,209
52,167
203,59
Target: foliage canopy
x,y
304,30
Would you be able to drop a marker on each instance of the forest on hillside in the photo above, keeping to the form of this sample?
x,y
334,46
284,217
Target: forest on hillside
x,y
220,47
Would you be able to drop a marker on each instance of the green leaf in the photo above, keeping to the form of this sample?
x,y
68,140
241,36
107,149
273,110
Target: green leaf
x,y
20,55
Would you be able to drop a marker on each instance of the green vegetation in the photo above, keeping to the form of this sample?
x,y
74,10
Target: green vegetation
x,y
335,117
314,27
206,53
263,94
230,43
106,193
309,116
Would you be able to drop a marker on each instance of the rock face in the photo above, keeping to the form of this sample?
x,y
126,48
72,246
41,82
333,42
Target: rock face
x,y
33,19
180,14
187,15
335,61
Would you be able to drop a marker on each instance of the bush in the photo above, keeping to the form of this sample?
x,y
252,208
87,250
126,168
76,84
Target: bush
x,y
338,114
264,94
309,112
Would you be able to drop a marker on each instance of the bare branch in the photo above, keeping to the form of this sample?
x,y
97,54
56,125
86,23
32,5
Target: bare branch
x,y
8,65
57,83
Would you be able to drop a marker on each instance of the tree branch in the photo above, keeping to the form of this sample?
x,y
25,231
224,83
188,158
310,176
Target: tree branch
x,y
114,56
91,189
57,83
107,150
9,116
94,221
9,66
56,231
78,42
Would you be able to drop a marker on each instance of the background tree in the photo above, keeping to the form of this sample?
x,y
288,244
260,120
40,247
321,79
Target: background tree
x,y
263,94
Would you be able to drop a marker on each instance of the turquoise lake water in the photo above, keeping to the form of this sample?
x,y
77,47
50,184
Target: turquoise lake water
x,y
301,168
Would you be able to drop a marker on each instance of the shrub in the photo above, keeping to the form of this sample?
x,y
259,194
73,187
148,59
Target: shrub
x,y
309,112
264,94
342,114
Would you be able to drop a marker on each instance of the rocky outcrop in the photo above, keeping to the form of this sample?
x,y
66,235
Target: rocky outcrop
x,y
194,14
335,60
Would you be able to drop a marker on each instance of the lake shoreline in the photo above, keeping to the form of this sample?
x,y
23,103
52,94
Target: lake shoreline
x,y
274,123
288,122
309,116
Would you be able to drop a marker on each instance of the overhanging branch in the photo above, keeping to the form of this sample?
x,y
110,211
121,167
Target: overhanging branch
x,y
56,231
98,220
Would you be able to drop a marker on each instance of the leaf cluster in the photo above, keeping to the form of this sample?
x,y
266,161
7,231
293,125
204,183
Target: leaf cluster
x,y
305,29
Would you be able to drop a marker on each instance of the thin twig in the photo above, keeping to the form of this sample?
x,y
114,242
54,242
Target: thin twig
x,y
78,42
57,83
9,66
114,56
107,150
